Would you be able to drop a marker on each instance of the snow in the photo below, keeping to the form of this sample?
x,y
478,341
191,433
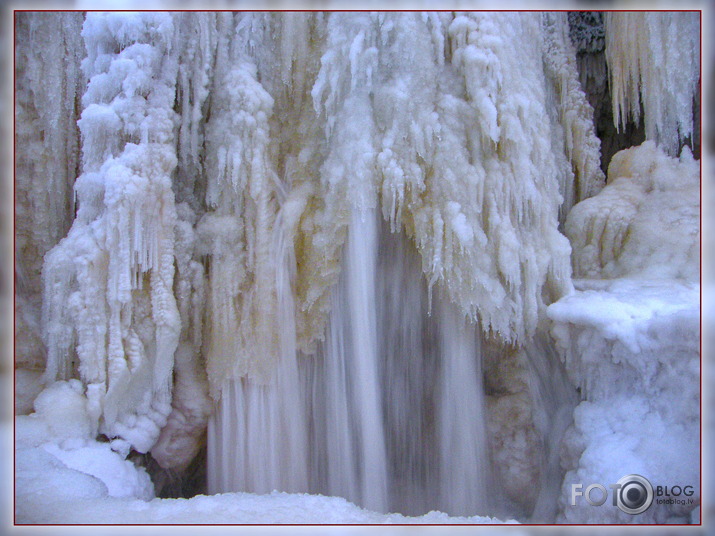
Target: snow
x,y
616,445
275,508
56,453
630,335
65,476
630,311
632,347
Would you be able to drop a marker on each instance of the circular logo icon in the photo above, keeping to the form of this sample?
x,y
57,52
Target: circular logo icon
x,y
635,494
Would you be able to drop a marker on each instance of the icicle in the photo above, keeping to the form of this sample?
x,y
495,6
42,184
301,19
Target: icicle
x,y
183,435
196,63
487,193
450,186
654,62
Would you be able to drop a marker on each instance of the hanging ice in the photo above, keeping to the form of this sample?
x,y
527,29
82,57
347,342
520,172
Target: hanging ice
x,y
654,65
468,196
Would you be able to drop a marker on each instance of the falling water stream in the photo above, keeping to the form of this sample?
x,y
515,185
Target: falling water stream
x,y
389,414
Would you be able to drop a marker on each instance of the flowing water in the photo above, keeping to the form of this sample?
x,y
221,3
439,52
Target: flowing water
x,y
390,412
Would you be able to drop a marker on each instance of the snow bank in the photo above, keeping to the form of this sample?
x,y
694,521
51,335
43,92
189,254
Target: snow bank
x,y
232,508
57,455
635,314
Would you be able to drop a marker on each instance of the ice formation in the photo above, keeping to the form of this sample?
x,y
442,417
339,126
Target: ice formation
x,y
386,130
333,238
47,92
645,223
108,295
630,336
654,69
581,147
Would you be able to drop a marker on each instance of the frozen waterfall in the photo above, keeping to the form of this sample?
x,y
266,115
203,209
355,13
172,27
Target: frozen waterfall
x,y
345,254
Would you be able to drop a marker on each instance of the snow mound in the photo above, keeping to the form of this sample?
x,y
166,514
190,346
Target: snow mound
x,y
56,455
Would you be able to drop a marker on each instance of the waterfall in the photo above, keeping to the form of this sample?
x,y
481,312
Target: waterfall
x,y
327,243
553,400
462,449
257,434
349,401
391,414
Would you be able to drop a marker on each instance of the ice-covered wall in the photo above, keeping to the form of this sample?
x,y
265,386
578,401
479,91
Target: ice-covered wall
x,y
48,86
